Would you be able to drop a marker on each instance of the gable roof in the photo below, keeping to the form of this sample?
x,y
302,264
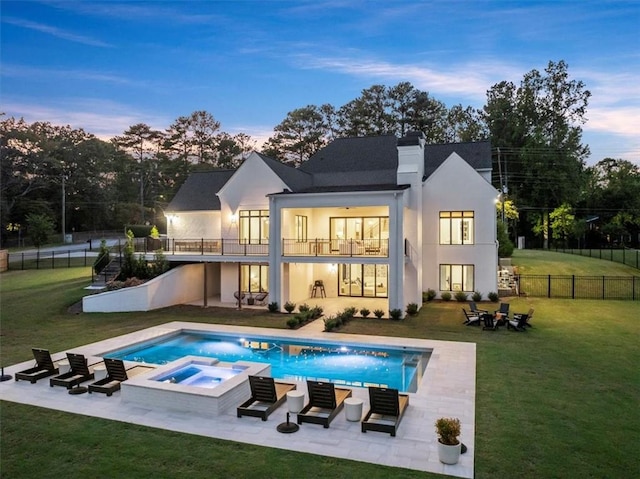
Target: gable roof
x,y
199,191
295,178
476,153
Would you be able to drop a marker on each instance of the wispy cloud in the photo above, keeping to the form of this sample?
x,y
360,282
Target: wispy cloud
x,y
19,71
56,32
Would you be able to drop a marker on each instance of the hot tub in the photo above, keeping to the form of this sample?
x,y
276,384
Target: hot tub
x,y
194,384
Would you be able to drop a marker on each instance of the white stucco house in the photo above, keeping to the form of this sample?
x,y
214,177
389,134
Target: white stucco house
x,y
367,217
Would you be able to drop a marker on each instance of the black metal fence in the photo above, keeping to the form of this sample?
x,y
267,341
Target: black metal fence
x,y
627,256
579,287
50,259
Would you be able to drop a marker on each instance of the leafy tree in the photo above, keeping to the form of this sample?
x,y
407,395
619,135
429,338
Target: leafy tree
x,y
40,228
562,223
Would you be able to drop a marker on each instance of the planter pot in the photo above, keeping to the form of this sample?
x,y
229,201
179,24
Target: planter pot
x,y
448,454
251,301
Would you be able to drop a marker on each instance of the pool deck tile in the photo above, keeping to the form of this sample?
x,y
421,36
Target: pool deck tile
x,y
447,389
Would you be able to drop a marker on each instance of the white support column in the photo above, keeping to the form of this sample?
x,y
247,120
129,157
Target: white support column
x,y
396,253
275,251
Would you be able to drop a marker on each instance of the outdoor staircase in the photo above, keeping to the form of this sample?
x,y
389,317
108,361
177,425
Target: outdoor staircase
x,y
109,273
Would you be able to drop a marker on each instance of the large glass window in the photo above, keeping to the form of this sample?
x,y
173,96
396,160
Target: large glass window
x,y
456,277
369,229
456,227
366,280
254,278
254,227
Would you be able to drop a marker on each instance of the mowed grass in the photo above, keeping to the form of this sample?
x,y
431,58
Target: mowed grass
x,y
549,262
560,400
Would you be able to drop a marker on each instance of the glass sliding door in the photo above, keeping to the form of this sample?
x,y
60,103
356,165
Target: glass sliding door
x,y
362,280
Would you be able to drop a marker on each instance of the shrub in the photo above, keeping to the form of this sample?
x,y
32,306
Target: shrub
x,y
461,296
351,312
448,430
378,313
476,296
364,312
103,258
493,296
412,309
428,295
304,307
330,323
289,307
395,314
505,245
293,322
446,296
273,307
316,312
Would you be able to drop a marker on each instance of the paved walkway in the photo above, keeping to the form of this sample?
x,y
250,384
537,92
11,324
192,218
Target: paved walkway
x,y
447,389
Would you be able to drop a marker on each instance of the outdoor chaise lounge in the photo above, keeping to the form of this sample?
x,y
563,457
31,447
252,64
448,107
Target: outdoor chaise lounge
x,y
325,402
116,373
387,408
266,396
471,318
44,367
78,372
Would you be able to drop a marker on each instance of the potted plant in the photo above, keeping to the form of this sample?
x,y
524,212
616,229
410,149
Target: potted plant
x,y
448,430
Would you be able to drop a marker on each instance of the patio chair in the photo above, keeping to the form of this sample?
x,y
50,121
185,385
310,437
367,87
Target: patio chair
x,y
44,367
325,402
266,396
474,309
519,324
471,318
529,316
490,323
502,314
78,372
239,296
387,409
116,374
261,298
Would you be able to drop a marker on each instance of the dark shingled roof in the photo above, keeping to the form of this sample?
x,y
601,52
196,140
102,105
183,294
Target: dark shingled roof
x,y
295,178
198,193
477,154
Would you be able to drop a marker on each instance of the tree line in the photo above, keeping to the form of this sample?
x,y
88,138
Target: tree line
x,y
59,173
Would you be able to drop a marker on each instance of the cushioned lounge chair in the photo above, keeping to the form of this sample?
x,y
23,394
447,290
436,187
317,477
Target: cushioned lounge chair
x,y
529,316
78,372
116,373
44,367
325,402
471,318
519,324
387,409
266,396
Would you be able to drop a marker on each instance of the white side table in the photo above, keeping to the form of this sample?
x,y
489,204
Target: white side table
x,y
63,366
295,400
100,372
353,409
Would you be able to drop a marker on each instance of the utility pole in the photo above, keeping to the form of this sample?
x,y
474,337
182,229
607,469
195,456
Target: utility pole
x,y
64,212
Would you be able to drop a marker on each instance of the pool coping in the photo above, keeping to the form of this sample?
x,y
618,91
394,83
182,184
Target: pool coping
x,y
448,388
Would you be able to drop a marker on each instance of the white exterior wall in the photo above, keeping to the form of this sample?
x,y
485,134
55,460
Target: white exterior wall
x,y
456,186
194,225
177,286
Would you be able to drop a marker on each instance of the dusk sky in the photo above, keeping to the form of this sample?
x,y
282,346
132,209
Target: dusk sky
x,y
104,66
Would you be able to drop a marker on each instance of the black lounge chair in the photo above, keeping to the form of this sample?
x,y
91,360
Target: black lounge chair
x,y
325,402
78,373
387,409
503,312
529,315
266,396
116,374
490,323
261,298
44,367
474,309
519,324
471,318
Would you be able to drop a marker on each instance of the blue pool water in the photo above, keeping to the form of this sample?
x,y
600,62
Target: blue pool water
x,y
343,364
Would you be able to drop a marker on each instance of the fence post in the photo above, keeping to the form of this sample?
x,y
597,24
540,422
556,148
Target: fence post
x,y
548,286
603,288
22,262
53,260
38,259
69,259
573,286
623,255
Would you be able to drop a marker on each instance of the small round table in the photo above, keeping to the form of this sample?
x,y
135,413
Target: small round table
x,y
353,409
100,372
295,401
63,366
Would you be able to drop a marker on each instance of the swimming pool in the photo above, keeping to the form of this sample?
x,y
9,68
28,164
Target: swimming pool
x,y
346,364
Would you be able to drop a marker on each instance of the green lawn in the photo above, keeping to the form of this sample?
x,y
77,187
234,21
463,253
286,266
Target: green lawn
x,y
560,400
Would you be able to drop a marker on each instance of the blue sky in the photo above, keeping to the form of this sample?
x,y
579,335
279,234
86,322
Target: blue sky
x,y
104,66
